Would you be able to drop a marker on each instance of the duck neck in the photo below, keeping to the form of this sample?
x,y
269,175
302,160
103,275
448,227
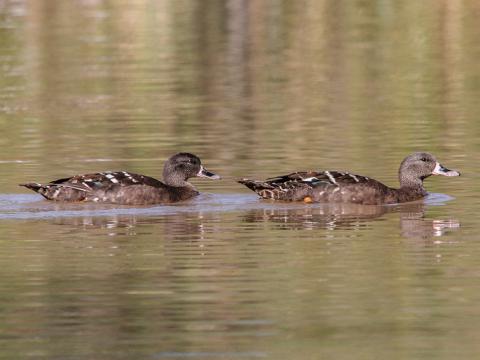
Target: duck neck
x,y
411,182
174,179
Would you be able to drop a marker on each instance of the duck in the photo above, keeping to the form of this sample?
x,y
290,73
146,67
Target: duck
x,y
126,188
344,187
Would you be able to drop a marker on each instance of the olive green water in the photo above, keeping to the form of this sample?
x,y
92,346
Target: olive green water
x,y
255,88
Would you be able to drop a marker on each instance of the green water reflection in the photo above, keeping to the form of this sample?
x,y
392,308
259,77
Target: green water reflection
x,y
255,88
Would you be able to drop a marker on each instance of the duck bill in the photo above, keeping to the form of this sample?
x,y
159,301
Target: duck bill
x,y
441,170
205,173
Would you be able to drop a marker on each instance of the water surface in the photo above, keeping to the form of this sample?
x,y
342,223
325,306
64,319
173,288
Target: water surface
x,y
255,89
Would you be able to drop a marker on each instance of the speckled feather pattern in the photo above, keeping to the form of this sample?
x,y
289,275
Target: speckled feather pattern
x,y
126,188
330,186
343,187
119,187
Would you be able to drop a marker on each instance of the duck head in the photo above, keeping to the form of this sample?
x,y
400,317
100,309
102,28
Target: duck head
x,y
183,166
420,165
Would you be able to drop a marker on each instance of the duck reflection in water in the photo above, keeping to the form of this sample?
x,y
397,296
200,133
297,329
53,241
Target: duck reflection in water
x,y
413,223
196,226
189,226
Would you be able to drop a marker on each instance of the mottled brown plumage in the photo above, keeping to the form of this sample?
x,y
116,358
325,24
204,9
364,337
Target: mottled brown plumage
x,y
342,187
121,187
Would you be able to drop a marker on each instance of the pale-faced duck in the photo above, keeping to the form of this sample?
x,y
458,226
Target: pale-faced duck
x,y
343,187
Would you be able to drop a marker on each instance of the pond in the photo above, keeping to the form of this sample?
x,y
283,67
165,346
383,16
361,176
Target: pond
x,y
256,89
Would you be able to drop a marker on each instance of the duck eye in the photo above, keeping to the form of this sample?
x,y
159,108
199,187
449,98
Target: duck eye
x,y
424,159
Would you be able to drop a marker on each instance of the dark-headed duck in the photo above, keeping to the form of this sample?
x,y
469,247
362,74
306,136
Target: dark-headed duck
x,y
122,187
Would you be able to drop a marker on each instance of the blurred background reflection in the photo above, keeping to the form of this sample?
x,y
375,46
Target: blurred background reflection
x,y
255,88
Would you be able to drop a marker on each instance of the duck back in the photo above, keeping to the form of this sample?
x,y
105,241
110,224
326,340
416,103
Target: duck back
x,y
330,187
119,187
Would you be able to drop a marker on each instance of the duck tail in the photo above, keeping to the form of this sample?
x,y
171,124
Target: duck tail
x,y
248,183
255,185
38,188
262,188
59,192
32,186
